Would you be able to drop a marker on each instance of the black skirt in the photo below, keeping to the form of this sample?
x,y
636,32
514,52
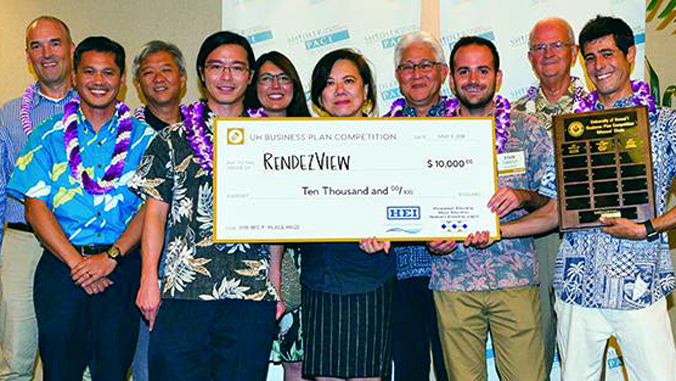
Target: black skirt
x,y
348,336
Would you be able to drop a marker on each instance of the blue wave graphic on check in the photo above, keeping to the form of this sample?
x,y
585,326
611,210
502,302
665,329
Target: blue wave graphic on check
x,y
409,231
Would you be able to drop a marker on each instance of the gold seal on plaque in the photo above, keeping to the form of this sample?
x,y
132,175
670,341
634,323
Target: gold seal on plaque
x,y
576,129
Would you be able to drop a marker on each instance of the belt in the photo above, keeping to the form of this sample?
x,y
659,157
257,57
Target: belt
x,y
92,249
20,226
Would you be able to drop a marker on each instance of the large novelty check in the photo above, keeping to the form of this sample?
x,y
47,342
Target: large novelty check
x,y
343,179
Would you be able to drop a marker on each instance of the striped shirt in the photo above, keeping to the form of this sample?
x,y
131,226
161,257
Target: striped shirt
x,y
14,138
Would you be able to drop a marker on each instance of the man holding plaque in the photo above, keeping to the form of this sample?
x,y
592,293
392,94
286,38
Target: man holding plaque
x,y
217,318
496,287
552,52
420,70
626,267
613,281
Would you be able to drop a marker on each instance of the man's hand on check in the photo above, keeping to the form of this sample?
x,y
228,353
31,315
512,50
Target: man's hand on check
x,y
442,247
372,245
478,240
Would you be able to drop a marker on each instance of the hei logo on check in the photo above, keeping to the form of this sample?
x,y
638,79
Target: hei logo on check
x,y
403,212
235,136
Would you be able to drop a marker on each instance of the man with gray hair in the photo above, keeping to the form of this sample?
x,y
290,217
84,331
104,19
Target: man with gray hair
x,y
49,49
552,52
160,77
420,70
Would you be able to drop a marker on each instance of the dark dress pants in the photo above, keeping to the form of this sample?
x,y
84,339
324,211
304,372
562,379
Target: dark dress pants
x,y
223,340
415,332
76,329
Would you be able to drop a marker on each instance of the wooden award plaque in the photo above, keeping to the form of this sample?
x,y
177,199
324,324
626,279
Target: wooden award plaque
x,y
603,167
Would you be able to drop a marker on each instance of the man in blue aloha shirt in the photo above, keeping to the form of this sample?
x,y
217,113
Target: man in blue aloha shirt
x,y
72,176
613,281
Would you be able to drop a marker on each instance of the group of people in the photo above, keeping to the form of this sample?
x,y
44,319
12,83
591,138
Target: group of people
x,y
110,222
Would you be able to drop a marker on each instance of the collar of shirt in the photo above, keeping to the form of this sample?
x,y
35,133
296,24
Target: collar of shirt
x,y
109,127
434,111
542,104
153,121
40,96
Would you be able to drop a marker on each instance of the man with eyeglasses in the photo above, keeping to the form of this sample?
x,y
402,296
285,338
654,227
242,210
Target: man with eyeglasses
x,y
217,319
552,53
614,281
420,71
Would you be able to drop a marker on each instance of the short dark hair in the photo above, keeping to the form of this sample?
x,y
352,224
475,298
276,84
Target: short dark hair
x,y
298,105
475,40
100,44
222,38
602,26
322,70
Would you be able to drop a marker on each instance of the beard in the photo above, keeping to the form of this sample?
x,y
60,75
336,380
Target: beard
x,y
480,103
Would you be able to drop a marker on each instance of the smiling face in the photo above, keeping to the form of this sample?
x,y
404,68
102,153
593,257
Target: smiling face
x,y
274,89
345,92
49,52
226,75
98,80
556,54
420,87
160,80
609,68
474,79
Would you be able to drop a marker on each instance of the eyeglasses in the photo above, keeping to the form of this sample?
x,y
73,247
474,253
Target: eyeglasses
x,y
555,46
425,67
215,68
283,79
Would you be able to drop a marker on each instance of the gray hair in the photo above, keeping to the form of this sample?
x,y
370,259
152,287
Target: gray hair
x,y
157,46
420,37
571,34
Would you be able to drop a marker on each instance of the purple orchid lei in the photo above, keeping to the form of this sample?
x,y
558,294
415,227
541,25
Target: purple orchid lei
x,y
502,113
122,142
452,107
26,105
642,97
140,115
201,142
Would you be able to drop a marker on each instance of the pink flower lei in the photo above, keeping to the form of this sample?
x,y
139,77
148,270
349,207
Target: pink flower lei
x,y
200,140
122,142
502,113
26,105
641,97
140,115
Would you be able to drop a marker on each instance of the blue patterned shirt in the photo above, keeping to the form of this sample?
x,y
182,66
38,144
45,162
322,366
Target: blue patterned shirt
x,y
14,138
413,260
596,270
42,173
509,262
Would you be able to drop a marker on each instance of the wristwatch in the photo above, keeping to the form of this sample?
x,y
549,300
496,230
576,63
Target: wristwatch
x,y
651,233
114,253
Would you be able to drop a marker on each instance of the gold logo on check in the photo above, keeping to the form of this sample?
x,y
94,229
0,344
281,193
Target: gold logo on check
x,y
235,136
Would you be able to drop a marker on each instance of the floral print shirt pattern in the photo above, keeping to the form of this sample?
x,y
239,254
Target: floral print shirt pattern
x,y
596,270
42,173
195,267
509,262
537,104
